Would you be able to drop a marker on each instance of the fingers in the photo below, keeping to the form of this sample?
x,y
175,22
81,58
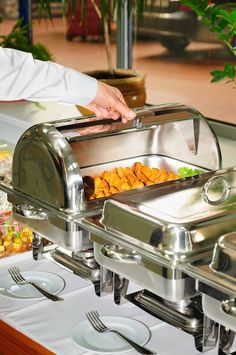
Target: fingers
x,y
110,103
101,112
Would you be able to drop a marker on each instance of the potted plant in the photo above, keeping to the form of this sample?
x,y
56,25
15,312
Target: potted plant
x,y
130,82
17,39
221,19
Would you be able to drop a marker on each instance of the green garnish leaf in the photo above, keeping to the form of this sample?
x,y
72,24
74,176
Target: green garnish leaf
x,y
184,171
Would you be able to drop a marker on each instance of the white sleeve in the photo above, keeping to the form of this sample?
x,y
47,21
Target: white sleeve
x,y
23,77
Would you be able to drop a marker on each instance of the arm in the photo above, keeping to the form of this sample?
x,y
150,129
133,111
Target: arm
x,y
23,77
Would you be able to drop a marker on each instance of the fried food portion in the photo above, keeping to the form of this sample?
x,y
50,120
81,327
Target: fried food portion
x,y
123,179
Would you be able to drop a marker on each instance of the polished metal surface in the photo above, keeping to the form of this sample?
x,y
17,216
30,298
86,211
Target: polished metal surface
x,y
159,236
224,256
216,281
168,283
174,221
229,307
48,157
84,267
218,272
117,253
44,168
153,235
51,159
189,318
56,229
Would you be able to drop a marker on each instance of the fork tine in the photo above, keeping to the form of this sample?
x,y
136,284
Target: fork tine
x,y
11,274
14,274
14,270
97,318
18,273
91,320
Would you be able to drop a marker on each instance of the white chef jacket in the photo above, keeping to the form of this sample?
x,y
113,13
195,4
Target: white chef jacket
x,y
23,77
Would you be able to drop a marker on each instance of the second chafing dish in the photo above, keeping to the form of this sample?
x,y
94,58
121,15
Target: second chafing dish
x,y
149,235
163,238
216,280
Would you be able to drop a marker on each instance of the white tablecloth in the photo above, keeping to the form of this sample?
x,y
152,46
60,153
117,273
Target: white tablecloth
x,y
50,323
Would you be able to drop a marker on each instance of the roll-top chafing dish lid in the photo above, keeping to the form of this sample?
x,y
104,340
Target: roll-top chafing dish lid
x,y
175,223
50,159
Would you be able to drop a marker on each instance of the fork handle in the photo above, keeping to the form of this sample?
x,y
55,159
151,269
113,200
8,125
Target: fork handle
x,y
136,346
46,293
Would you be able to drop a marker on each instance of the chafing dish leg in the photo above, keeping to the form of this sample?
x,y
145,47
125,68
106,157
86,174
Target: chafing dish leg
x,y
226,338
105,286
210,334
120,288
37,245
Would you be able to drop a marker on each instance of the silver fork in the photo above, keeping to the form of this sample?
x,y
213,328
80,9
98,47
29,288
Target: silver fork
x,y
98,325
20,280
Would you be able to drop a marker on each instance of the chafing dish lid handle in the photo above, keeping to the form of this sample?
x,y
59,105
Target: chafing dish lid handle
x,y
216,190
119,254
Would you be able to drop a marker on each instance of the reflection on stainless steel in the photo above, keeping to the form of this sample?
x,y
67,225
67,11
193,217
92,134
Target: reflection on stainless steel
x,y
226,339
210,334
216,190
171,221
171,284
51,159
224,256
82,264
120,254
187,318
217,283
229,307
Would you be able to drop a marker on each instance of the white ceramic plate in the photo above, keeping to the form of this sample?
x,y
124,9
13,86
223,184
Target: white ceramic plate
x,y
89,339
51,282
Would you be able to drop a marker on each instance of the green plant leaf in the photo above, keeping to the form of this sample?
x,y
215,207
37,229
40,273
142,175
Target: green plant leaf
x,y
17,39
229,70
218,75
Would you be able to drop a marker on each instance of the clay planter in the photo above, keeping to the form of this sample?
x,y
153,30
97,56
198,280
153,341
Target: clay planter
x,y
130,82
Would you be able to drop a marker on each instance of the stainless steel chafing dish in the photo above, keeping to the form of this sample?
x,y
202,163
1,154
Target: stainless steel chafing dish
x,y
163,237
216,280
156,235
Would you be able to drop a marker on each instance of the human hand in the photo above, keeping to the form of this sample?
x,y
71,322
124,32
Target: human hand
x,y
109,103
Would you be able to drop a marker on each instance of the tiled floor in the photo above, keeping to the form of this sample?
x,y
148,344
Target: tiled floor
x,y
169,78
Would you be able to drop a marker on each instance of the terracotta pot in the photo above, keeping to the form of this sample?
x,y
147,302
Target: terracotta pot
x,y
130,82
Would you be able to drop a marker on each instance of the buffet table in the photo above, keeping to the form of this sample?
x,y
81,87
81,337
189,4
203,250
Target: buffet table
x,y
50,323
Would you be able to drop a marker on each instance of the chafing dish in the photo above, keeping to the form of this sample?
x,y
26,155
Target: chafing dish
x,y
162,237
216,280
